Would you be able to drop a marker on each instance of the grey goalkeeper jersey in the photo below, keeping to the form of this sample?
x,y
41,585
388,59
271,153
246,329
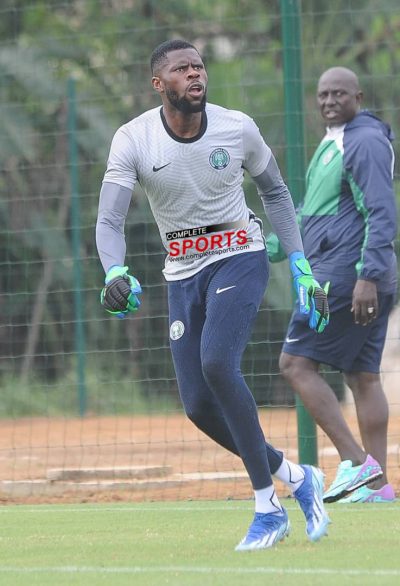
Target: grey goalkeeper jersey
x,y
194,187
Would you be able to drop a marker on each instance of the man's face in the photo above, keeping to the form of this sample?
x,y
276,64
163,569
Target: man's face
x,y
183,80
339,97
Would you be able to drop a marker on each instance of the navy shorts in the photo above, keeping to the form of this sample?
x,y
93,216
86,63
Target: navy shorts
x,y
343,344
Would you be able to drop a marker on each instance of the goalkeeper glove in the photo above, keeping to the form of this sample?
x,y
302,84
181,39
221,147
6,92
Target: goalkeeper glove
x,y
120,294
312,297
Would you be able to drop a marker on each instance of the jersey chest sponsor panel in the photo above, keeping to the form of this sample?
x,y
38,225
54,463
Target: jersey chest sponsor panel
x,y
193,184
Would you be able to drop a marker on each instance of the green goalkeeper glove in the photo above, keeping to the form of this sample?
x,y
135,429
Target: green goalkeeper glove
x,y
120,294
312,297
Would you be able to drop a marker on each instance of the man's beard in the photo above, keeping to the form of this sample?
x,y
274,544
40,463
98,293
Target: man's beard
x,y
183,104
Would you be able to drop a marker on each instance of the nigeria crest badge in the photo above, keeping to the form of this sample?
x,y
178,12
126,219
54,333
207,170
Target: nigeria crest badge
x,y
219,158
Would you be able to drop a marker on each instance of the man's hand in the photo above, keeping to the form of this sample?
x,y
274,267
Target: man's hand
x,y
312,297
119,296
365,302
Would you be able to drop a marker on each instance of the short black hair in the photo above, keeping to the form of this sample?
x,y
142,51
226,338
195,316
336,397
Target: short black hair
x,y
160,53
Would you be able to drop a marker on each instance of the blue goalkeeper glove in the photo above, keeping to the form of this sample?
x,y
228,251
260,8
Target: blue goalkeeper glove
x,y
312,297
120,294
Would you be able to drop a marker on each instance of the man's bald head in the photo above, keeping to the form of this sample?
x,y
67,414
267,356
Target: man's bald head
x,y
341,75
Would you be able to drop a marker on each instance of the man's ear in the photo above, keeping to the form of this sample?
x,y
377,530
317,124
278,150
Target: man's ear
x,y
157,84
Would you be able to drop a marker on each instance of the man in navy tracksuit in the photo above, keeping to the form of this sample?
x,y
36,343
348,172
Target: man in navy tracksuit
x,y
348,224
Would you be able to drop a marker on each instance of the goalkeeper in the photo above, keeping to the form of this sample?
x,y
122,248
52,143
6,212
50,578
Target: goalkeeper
x,y
189,157
348,223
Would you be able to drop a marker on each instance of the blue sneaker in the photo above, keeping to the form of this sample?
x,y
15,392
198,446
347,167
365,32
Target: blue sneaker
x,y
309,497
349,478
265,530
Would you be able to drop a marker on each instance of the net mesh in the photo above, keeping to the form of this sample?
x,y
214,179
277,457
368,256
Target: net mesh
x,y
90,404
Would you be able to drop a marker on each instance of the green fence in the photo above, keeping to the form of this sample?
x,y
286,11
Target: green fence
x,y
70,74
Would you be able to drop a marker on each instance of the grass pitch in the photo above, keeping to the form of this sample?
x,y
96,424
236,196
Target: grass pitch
x,y
191,544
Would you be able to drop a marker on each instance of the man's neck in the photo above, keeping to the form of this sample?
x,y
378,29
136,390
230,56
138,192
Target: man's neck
x,y
183,125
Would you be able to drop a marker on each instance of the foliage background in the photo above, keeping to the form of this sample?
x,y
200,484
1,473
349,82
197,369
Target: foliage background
x,y
105,46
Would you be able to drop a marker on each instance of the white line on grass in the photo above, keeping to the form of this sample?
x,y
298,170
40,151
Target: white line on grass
x,y
129,509
357,508
195,570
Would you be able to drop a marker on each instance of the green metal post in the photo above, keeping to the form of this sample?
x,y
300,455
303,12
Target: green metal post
x,y
76,247
296,169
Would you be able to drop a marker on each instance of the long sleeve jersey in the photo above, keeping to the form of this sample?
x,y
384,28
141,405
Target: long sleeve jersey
x,y
348,216
194,187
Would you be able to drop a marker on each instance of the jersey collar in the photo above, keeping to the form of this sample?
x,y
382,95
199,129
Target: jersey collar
x,y
203,128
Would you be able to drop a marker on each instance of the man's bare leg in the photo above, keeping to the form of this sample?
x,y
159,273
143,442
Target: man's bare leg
x,y
321,402
373,416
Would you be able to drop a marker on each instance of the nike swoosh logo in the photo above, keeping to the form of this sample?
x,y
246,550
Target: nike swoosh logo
x,y
218,291
290,340
155,169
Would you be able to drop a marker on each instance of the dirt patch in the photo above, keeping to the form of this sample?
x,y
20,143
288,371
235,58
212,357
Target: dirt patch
x,y
30,447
